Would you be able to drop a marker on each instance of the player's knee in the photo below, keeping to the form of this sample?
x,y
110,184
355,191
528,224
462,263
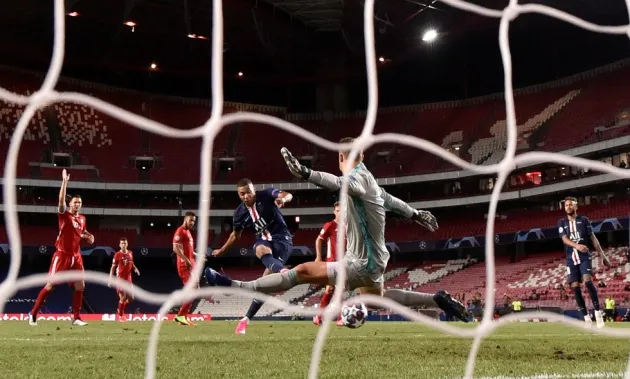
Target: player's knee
x,y
49,287
262,250
329,289
79,286
575,284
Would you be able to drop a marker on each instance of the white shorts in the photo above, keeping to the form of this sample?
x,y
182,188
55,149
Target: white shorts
x,y
357,275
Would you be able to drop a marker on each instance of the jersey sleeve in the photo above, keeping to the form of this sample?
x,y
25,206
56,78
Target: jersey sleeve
x,y
177,237
394,204
561,229
326,231
357,185
272,192
239,219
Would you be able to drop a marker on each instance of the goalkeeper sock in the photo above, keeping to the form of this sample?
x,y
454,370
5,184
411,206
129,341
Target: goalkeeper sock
x,y
271,283
580,300
410,298
592,291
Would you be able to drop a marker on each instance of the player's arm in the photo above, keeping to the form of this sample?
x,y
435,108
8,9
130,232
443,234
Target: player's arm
x,y
394,204
65,177
356,187
323,235
280,197
234,236
283,198
111,271
178,248
89,237
596,244
136,269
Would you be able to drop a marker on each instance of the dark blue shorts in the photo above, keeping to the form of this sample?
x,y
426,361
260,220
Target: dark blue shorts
x,y
281,250
576,272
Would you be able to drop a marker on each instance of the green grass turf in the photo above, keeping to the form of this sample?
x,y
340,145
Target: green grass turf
x,y
283,350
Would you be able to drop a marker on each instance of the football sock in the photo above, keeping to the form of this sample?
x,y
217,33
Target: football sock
x,y
592,291
580,300
267,284
185,308
325,300
273,264
254,308
41,298
410,298
77,301
121,304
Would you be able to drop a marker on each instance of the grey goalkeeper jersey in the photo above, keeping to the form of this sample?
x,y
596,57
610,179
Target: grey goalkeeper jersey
x,y
367,204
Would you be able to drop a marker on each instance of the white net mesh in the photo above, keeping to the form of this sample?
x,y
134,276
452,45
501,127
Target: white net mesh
x,y
47,95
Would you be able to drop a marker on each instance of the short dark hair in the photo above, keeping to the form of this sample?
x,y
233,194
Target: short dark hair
x,y
190,213
123,239
243,183
337,203
570,198
347,152
76,196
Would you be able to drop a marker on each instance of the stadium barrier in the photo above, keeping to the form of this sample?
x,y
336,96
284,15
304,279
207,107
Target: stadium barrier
x,y
101,317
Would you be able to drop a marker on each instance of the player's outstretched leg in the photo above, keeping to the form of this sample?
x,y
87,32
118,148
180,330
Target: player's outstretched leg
x,y
592,291
442,299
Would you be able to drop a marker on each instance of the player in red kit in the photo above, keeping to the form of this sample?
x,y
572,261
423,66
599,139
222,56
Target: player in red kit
x,y
184,248
328,234
123,265
72,230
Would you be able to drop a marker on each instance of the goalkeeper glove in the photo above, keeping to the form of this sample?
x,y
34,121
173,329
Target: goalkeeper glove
x,y
294,165
426,219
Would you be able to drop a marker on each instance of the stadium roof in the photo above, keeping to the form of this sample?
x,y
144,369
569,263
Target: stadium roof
x,y
280,40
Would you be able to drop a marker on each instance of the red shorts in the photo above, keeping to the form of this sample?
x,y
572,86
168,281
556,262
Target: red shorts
x,y
65,262
184,273
120,290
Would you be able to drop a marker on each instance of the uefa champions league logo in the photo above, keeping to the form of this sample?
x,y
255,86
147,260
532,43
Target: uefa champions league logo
x,y
43,249
144,251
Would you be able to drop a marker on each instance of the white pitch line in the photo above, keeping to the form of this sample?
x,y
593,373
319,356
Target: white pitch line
x,y
587,375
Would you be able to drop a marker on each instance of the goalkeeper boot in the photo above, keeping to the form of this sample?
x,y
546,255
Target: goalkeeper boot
x,y
450,306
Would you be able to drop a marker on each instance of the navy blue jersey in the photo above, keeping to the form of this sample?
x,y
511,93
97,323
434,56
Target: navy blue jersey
x,y
264,217
578,231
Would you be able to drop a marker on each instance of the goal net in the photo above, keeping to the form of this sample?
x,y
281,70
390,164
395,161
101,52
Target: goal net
x,y
47,95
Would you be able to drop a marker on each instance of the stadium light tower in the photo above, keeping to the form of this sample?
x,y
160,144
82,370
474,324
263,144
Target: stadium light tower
x,y
429,35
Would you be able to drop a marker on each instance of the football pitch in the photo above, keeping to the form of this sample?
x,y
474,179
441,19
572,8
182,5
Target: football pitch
x,y
283,350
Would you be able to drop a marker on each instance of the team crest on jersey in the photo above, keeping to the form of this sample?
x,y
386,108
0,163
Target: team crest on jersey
x,y
177,238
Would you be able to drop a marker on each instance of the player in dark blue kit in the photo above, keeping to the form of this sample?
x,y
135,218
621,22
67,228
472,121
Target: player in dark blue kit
x,y
574,230
273,246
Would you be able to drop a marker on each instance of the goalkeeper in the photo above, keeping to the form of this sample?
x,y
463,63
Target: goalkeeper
x,y
366,257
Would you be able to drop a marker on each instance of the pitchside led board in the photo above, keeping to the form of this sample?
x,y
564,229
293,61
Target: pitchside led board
x,y
522,236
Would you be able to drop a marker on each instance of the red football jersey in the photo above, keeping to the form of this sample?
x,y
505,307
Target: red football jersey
x,y
183,237
124,262
70,229
329,234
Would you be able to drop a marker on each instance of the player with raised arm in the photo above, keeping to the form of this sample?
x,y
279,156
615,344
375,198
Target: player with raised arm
x,y
123,264
184,248
366,255
328,234
72,230
274,244
573,230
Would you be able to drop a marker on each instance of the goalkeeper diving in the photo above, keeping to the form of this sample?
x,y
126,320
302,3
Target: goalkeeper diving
x,y
366,256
